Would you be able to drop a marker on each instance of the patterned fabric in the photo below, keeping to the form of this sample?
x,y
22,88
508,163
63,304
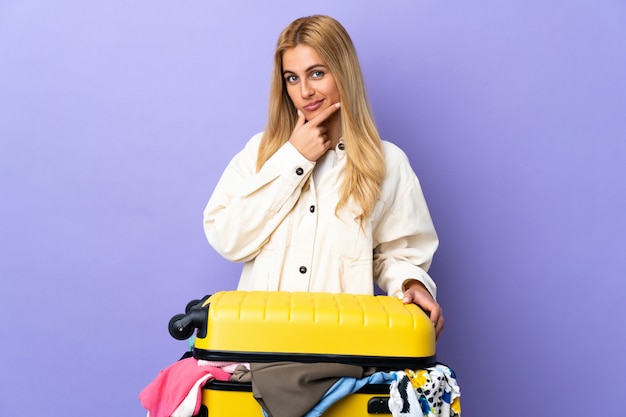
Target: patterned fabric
x,y
431,392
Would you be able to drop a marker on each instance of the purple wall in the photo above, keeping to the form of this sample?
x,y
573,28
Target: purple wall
x,y
116,119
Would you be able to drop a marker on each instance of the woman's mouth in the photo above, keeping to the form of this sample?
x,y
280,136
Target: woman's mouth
x,y
313,106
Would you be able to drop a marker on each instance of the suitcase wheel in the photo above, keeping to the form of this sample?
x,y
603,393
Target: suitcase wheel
x,y
179,329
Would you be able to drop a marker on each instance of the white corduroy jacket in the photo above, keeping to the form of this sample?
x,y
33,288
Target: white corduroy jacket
x,y
290,238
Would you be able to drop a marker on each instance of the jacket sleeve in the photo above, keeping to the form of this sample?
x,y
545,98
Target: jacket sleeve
x,y
247,206
405,239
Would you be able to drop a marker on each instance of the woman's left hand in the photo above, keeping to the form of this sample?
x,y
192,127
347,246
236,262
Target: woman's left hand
x,y
417,293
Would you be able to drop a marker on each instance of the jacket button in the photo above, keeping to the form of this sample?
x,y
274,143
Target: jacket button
x,y
303,269
299,171
312,209
341,146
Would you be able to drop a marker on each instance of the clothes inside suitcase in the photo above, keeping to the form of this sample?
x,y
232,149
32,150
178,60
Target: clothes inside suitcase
x,y
235,399
362,330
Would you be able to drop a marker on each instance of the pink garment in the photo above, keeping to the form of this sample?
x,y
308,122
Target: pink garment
x,y
225,366
168,390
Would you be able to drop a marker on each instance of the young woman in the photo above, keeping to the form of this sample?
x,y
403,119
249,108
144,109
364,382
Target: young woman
x,y
318,202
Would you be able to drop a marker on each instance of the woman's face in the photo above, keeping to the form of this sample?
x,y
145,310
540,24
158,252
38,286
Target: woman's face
x,y
310,85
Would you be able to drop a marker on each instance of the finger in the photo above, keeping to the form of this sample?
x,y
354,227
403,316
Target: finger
x,y
439,327
325,114
430,307
414,297
435,313
407,299
436,317
301,120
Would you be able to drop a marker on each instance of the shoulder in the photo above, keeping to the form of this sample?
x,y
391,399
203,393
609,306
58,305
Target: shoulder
x,y
255,141
399,174
245,158
251,148
395,157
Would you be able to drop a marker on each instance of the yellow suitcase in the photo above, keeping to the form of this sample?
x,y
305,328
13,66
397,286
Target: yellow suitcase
x,y
364,330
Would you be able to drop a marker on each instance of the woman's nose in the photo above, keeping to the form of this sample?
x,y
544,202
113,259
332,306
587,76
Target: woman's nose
x,y
306,90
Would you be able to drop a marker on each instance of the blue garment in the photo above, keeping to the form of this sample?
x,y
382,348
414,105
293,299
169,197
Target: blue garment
x,y
346,386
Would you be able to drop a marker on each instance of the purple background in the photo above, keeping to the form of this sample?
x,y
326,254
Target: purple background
x,y
117,118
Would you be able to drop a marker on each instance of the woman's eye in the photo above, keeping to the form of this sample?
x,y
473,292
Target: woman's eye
x,y
317,74
291,79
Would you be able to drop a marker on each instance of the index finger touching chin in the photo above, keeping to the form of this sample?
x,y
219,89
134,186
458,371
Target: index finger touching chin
x,y
325,114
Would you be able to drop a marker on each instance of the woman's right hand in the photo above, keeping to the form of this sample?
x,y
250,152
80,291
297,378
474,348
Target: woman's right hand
x,y
310,138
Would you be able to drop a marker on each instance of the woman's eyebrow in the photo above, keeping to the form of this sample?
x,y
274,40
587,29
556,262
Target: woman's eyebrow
x,y
312,67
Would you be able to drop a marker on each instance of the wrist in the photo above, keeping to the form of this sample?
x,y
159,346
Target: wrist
x,y
412,283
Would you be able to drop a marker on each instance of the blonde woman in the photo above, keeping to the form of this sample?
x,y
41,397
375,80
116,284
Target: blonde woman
x,y
318,202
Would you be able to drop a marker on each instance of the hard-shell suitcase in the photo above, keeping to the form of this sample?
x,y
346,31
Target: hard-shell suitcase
x,y
257,326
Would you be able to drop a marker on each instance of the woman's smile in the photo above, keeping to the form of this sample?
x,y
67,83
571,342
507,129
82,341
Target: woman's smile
x,y
311,107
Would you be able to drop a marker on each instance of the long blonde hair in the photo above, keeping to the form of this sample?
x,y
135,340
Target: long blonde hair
x,y
365,168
